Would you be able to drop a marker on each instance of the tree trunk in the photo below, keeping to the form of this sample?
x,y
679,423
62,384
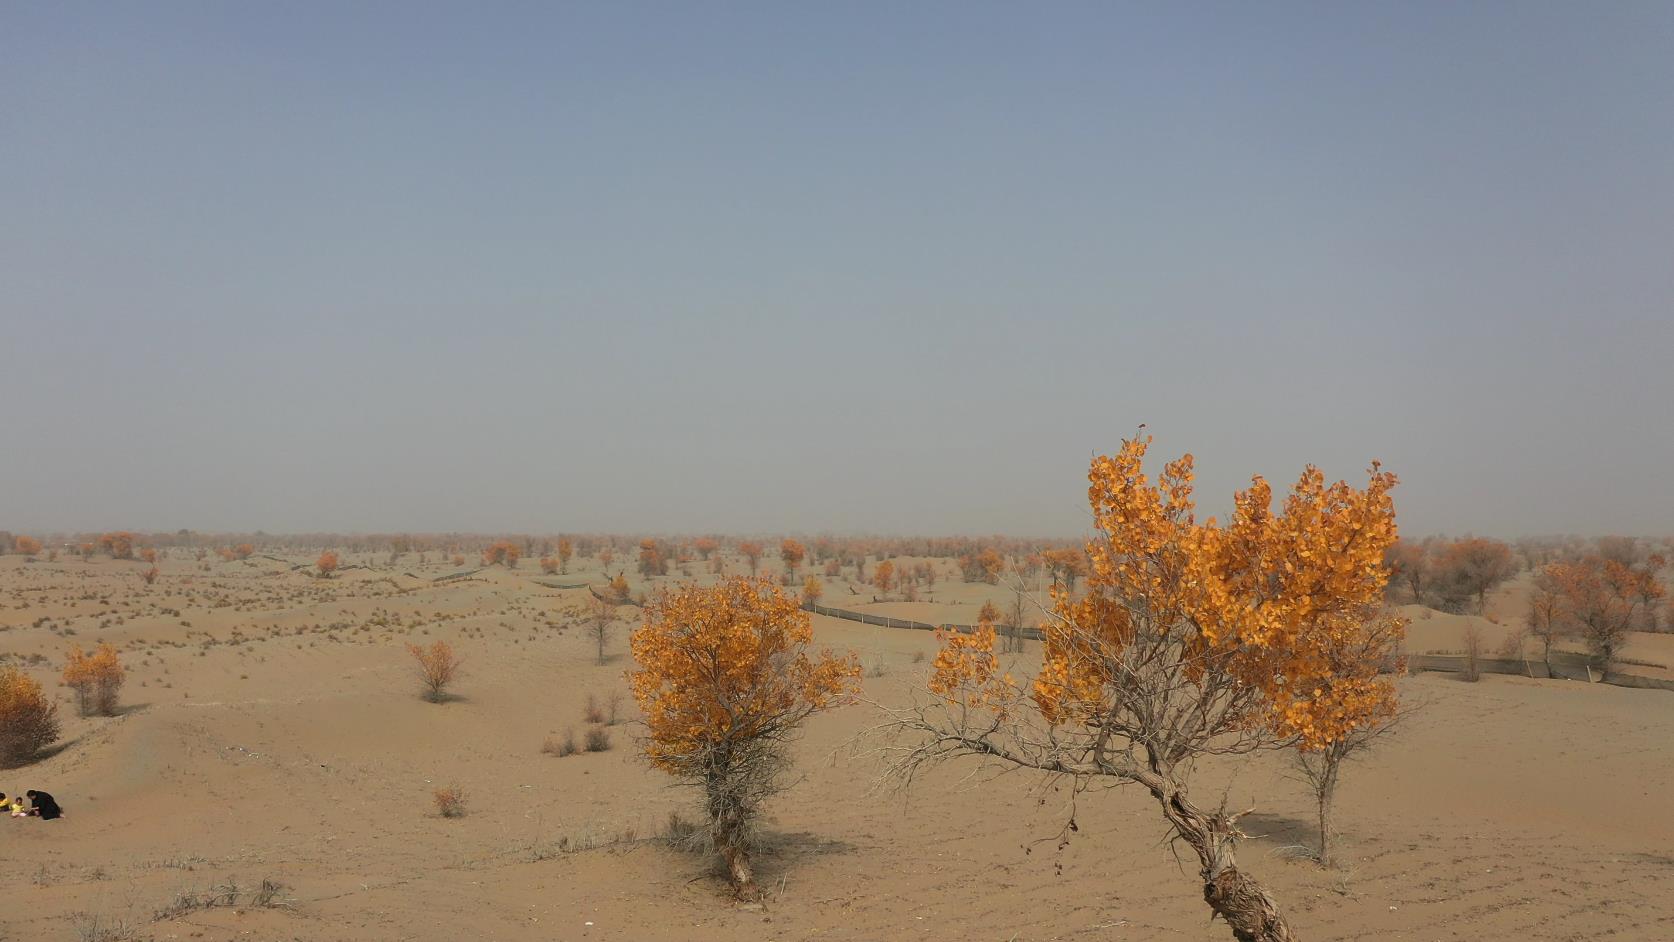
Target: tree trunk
x,y
1327,792
1236,897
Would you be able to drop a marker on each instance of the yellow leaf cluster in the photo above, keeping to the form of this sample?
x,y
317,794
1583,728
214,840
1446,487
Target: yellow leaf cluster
x,y
87,670
966,670
727,663
1271,602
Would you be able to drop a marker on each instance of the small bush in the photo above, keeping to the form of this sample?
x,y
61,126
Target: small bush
x,y
1473,653
598,739
450,801
682,833
593,713
438,667
561,747
28,720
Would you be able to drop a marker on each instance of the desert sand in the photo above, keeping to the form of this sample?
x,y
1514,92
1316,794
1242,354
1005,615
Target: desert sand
x,y
273,730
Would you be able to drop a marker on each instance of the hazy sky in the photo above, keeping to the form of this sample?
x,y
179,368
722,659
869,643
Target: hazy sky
x,y
791,267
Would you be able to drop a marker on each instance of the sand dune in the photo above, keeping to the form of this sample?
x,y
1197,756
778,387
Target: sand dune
x,y
274,731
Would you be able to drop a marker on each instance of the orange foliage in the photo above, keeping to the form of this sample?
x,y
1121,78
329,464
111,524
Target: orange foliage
x,y
751,551
1599,597
812,589
549,565
120,545
28,720
241,551
326,564
28,545
705,546
149,555
792,553
438,667
724,678
1266,603
966,667
566,549
985,566
653,561
97,679
883,576
502,552
722,662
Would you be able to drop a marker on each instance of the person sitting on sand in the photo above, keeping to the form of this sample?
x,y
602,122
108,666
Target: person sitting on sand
x,y
43,806
17,807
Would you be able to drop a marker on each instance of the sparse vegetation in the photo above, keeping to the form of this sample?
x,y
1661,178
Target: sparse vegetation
x,y
438,667
449,801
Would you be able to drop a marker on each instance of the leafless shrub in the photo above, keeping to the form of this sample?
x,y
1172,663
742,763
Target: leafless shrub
x,y
450,801
598,739
1473,652
561,747
91,927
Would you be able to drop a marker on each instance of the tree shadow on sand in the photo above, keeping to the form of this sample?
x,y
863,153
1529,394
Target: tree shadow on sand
x,y
43,755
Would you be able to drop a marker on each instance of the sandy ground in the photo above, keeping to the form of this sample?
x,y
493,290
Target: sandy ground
x,y
274,731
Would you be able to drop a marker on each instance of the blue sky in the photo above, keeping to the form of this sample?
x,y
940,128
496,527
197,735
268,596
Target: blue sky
x,y
892,267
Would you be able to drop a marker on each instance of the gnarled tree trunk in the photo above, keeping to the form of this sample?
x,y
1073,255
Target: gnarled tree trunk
x,y
1247,907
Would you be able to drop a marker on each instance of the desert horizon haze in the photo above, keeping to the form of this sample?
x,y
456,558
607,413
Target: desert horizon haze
x,y
673,268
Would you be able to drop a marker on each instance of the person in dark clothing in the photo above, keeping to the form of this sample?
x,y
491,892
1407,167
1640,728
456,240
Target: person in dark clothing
x,y
42,806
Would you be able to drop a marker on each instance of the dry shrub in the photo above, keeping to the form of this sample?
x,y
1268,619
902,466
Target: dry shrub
x,y
598,739
150,575
561,747
438,666
450,801
594,713
28,720
1473,652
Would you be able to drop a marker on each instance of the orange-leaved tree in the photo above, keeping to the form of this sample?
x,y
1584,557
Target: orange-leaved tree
x,y
96,678
724,679
120,545
27,545
28,720
502,552
1368,645
1601,597
1191,639
792,553
326,564
883,576
566,549
751,551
